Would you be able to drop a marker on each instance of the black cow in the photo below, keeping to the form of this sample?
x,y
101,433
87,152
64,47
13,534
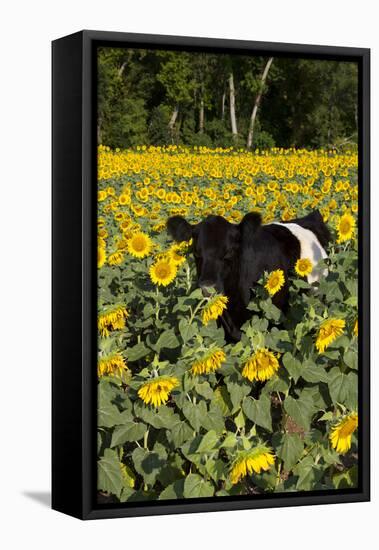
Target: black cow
x,y
233,257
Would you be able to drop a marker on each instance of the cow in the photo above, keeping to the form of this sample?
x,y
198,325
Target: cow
x,y
231,258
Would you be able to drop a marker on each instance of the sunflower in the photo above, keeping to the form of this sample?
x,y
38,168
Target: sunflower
x,y
175,254
112,319
253,461
355,329
303,267
101,196
115,258
275,281
261,366
111,365
214,309
157,390
163,271
345,227
101,256
139,245
209,363
329,331
340,435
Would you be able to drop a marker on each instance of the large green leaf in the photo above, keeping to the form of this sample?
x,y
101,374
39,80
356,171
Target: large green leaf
x,y
196,486
343,388
195,413
292,365
148,464
108,415
301,410
174,490
186,330
109,477
237,389
290,450
129,431
313,373
208,443
259,411
213,419
180,433
137,352
167,339
163,417
309,474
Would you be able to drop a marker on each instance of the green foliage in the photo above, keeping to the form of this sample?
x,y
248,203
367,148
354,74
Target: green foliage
x,y
305,103
186,448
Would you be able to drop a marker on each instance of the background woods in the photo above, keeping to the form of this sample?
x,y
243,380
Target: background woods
x,y
168,97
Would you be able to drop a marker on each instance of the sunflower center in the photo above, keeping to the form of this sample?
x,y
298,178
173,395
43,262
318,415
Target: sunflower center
x,y
138,244
345,226
163,270
264,362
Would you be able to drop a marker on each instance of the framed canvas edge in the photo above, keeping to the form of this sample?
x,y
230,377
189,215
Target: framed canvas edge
x,y
88,509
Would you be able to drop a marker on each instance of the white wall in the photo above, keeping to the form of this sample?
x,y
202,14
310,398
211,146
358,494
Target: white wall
x,y
26,31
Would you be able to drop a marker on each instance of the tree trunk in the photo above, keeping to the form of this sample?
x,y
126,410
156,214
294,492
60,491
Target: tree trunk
x,y
201,117
223,105
250,135
232,104
121,69
173,118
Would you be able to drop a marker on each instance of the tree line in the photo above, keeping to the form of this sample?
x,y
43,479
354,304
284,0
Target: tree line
x,y
169,97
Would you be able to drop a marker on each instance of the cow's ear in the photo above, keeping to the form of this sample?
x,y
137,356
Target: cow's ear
x,y
250,223
179,229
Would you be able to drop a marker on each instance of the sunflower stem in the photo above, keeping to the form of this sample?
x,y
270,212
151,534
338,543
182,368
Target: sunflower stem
x,y
146,435
188,275
197,309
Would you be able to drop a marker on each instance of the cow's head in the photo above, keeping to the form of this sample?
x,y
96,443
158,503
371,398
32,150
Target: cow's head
x,y
217,247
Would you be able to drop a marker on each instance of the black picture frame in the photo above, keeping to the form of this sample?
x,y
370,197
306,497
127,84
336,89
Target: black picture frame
x,y
74,274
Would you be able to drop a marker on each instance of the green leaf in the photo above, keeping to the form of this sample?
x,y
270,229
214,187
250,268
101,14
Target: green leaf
x,y
194,413
129,431
309,474
237,389
204,389
108,415
301,410
213,419
350,357
313,373
290,450
179,433
292,365
208,442
230,440
137,352
163,417
259,411
346,479
168,340
222,399
174,490
195,486
186,330
217,469
343,388
109,478
148,464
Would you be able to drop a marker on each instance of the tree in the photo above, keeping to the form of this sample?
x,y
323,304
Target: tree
x,y
250,135
176,76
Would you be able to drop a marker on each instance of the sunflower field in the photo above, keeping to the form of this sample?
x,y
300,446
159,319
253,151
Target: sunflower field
x,y
181,412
